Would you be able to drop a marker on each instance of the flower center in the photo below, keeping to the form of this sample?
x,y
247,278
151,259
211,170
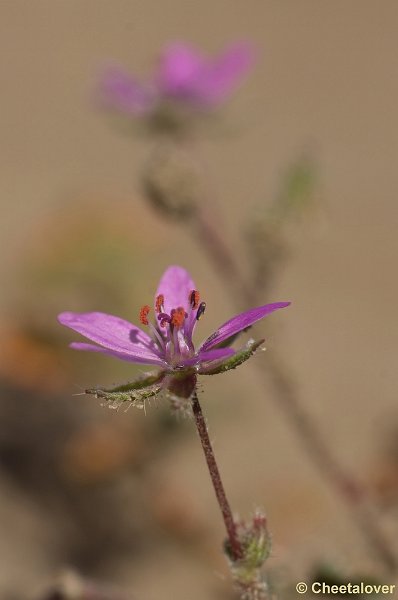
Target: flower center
x,y
172,332
177,317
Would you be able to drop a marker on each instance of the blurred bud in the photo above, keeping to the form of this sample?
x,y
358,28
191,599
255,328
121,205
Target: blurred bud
x,y
267,252
270,232
172,183
255,542
297,190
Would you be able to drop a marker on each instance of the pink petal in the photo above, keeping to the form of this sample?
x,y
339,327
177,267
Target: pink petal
x,y
186,75
215,354
240,322
226,73
112,333
175,285
120,355
120,91
179,68
210,355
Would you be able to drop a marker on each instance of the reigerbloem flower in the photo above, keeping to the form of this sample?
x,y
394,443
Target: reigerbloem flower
x,y
183,75
169,344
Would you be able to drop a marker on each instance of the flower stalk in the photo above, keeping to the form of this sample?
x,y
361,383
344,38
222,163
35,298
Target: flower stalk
x,y
234,543
169,346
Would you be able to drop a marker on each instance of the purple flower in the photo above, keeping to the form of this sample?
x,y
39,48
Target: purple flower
x,y
183,75
186,75
168,343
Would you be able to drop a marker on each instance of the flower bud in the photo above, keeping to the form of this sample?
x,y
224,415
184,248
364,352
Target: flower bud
x,y
172,183
255,542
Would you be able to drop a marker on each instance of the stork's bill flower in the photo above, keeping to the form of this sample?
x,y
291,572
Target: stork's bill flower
x,y
183,75
167,341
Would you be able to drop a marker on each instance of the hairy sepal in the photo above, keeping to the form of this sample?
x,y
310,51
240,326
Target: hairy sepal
x,y
237,359
134,393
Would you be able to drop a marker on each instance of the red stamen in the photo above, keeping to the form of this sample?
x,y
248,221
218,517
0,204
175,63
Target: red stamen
x,y
194,298
177,316
159,302
144,314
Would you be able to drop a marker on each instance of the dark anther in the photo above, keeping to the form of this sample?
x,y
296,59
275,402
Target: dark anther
x,y
194,299
201,310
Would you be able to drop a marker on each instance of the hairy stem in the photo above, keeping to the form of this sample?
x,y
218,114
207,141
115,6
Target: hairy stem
x,y
216,478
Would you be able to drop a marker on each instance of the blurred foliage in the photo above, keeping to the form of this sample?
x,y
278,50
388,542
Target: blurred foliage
x,y
91,256
79,464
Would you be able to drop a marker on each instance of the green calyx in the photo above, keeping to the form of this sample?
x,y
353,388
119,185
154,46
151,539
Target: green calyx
x,y
255,543
256,547
135,393
237,359
256,551
180,382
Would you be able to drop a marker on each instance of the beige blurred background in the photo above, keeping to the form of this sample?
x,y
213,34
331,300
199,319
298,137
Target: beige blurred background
x,y
77,235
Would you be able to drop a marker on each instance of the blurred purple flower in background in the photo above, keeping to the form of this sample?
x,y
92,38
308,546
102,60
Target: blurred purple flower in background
x,y
183,75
